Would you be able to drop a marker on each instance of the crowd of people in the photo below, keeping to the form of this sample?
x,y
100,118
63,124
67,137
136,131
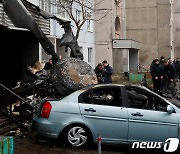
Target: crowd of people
x,y
165,73
104,72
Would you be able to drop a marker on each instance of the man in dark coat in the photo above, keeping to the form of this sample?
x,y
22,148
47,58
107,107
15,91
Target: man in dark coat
x,y
169,76
177,67
157,75
48,65
108,72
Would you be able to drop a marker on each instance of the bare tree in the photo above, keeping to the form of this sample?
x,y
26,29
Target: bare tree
x,y
85,8
70,5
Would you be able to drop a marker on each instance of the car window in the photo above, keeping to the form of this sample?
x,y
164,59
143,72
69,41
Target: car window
x,y
160,105
143,100
107,96
103,96
87,97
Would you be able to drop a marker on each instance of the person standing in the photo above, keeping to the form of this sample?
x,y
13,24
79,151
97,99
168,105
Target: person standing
x,y
177,67
162,59
48,65
108,72
169,76
157,75
100,73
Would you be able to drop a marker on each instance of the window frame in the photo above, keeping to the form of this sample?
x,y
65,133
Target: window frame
x,y
147,93
90,54
78,15
80,98
45,5
89,22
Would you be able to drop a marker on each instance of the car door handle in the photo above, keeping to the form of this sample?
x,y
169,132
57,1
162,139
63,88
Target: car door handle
x,y
137,114
90,109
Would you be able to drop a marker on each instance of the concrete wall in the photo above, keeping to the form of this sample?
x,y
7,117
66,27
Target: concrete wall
x,y
145,21
104,32
176,17
164,28
149,22
120,60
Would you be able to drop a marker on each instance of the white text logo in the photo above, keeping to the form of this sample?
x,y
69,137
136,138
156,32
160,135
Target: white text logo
x,y
170,145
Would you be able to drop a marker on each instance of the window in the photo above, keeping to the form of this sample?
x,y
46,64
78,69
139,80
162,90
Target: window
x,y
137,99
86,97
53,7
143,100
89,24
78,15
90,52
109,96
160,105
45,5
58,9
61,12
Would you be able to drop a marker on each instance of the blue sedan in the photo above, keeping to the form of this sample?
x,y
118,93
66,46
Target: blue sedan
x,y
120,114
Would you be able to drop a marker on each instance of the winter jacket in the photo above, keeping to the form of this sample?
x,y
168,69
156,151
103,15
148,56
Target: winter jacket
x,y
108,73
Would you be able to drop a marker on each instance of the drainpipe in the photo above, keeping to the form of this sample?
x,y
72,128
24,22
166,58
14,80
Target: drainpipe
x,y
172,29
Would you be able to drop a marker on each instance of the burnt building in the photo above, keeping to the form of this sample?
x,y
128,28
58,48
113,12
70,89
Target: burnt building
x,y
19,47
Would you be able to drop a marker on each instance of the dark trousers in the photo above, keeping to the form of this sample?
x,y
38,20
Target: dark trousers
x,y
157,84
169,86
178,75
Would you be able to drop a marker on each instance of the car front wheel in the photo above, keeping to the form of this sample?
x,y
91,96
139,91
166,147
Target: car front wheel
x,y
77,136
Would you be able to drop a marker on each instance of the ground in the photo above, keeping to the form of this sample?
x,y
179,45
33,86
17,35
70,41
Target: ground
x,y
29,145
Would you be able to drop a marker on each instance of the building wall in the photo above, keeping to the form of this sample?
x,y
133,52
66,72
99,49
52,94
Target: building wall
x,y
149,23
176,23
104,31
107,29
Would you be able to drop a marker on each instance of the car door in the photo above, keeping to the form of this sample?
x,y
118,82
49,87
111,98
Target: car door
x,y
102,111
148,118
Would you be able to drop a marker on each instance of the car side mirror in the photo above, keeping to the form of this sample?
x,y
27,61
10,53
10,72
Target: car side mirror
x,y
170,109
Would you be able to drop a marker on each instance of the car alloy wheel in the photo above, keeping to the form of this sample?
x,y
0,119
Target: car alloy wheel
x,y
77,136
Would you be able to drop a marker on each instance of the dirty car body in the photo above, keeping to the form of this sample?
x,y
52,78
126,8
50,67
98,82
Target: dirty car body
x,y
119,114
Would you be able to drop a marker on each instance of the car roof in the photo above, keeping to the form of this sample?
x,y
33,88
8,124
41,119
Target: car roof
x,y
101,85
113,84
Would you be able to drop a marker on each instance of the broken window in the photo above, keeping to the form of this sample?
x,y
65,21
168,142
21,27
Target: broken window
x,y
103,96
143,100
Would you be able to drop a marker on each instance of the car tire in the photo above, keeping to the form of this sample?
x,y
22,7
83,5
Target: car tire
x,y
77,136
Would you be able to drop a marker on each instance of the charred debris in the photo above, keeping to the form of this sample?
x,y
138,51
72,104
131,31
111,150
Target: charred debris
x,y
67,75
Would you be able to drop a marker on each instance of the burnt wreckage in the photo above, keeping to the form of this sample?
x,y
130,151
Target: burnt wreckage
x,y
68,74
